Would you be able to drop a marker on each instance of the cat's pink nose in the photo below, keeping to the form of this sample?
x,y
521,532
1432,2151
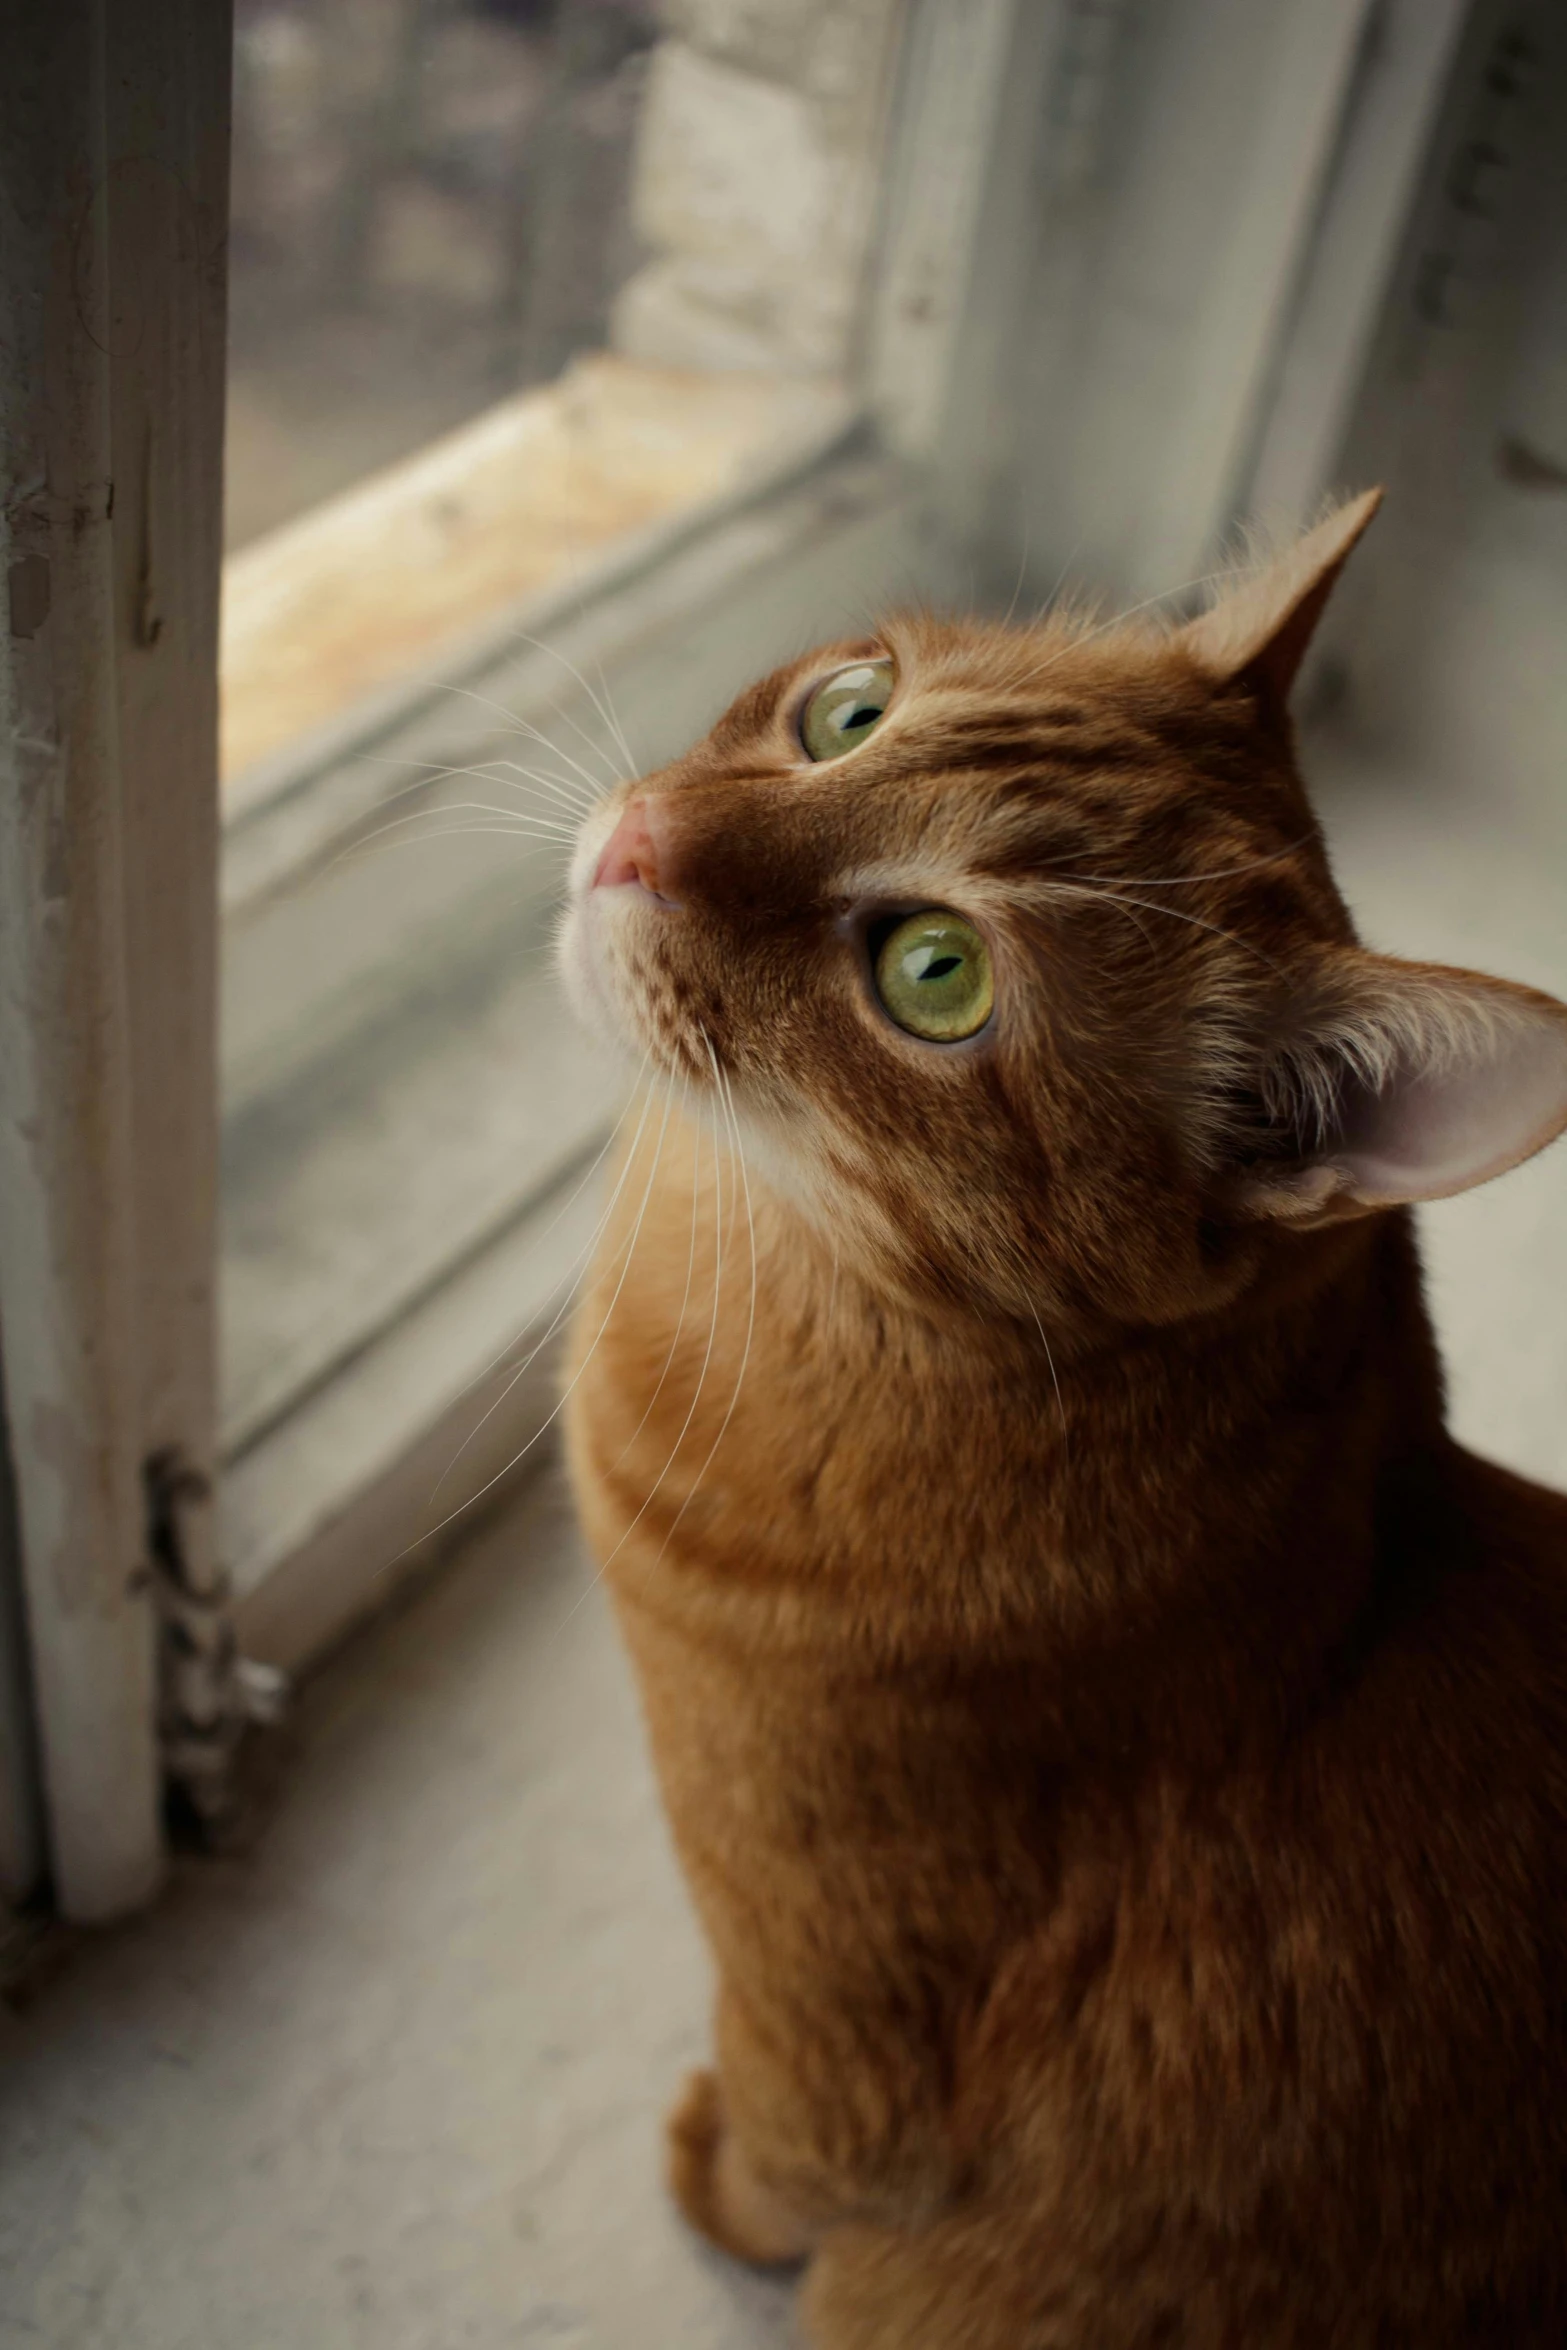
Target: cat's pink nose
x,y
637,850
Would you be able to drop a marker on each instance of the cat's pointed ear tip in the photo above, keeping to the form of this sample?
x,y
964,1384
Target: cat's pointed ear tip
x,y
1257,629
1349,516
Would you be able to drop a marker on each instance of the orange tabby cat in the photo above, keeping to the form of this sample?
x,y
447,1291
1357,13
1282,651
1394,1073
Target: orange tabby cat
x,y
1116,1740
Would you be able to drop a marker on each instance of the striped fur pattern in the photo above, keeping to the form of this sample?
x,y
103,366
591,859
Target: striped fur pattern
x,y
1116,1742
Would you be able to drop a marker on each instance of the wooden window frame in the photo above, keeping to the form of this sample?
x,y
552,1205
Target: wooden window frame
x,y
114,141
117,1662
114,121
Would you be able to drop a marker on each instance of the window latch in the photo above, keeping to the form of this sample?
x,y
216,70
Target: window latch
x,y
210,1698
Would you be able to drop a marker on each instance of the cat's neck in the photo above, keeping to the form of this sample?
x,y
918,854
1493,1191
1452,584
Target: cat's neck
x,y
1207,1502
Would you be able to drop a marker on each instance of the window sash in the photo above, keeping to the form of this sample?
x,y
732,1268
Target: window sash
x,y
114,126
114,152
836,523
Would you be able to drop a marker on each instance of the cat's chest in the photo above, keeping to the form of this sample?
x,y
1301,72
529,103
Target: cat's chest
x,y
868,1816
733,1418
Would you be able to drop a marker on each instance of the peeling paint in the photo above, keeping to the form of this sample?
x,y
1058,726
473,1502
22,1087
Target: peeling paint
x,y
31,592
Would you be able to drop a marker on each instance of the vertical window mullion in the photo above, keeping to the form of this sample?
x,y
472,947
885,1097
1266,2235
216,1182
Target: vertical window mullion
x,y
113,150
169,97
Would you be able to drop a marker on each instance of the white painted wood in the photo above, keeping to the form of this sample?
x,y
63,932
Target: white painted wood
x,y
358,1308
22,1849
1405,63
67,1178
952,94
285,812
362,1179
1182,155
1448,630
400,1454
113,149
1253,276
374,586
169,97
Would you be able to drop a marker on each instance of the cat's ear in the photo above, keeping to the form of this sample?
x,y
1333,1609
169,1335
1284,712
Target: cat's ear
x,y
1409,1082
1258,631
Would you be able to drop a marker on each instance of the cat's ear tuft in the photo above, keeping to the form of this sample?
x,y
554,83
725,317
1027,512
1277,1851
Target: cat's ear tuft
x,y
1409,1082
1258,630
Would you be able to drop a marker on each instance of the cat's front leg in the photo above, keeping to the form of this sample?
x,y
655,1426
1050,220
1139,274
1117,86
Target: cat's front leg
x,y
716,2186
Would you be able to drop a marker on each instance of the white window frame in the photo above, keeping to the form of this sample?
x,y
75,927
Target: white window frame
x,y
114,151
110,857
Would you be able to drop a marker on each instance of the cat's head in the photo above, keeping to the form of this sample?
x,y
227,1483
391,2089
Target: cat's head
x,y
1018,951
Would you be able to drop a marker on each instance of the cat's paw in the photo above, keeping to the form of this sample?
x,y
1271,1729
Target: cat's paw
x,y
717,2189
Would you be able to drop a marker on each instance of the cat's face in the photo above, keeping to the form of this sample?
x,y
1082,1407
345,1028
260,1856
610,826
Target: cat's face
x,y
980,925
1017,954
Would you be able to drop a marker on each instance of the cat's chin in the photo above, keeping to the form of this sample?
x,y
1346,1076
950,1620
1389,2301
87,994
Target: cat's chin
x,y
594,986
580,959
581,952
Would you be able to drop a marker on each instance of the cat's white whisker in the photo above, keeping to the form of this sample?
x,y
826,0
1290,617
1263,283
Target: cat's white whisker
x,y
726,1098
1066,1437
1174,914
1166,595
434,771
516,816
594,783
560,1404
633,763
712,1332
594,747
574,1270
691,1409
524,726
514,820
556,785
604,708
412,840
1183,880
685,1296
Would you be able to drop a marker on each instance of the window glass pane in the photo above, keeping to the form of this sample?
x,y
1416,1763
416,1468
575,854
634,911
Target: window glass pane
x,y
429,212
519,287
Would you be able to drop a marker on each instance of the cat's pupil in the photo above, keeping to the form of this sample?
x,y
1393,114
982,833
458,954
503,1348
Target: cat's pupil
x,y
845,708
932,974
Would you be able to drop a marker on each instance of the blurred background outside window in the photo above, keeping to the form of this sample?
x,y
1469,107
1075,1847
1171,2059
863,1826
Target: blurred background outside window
x,y
521,291
587,356
429,212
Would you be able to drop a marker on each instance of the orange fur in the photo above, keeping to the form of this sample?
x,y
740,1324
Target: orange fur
x,y
1117,1743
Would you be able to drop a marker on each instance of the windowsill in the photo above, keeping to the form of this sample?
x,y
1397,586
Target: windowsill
x,y
378,2080
399,1127
386,1464
374,584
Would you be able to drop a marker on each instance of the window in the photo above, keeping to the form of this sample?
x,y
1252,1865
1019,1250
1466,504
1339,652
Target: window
x,y
543,332
582,356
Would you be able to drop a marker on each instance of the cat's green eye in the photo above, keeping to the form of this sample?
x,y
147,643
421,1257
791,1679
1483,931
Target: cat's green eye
x,y
933,975
845,707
